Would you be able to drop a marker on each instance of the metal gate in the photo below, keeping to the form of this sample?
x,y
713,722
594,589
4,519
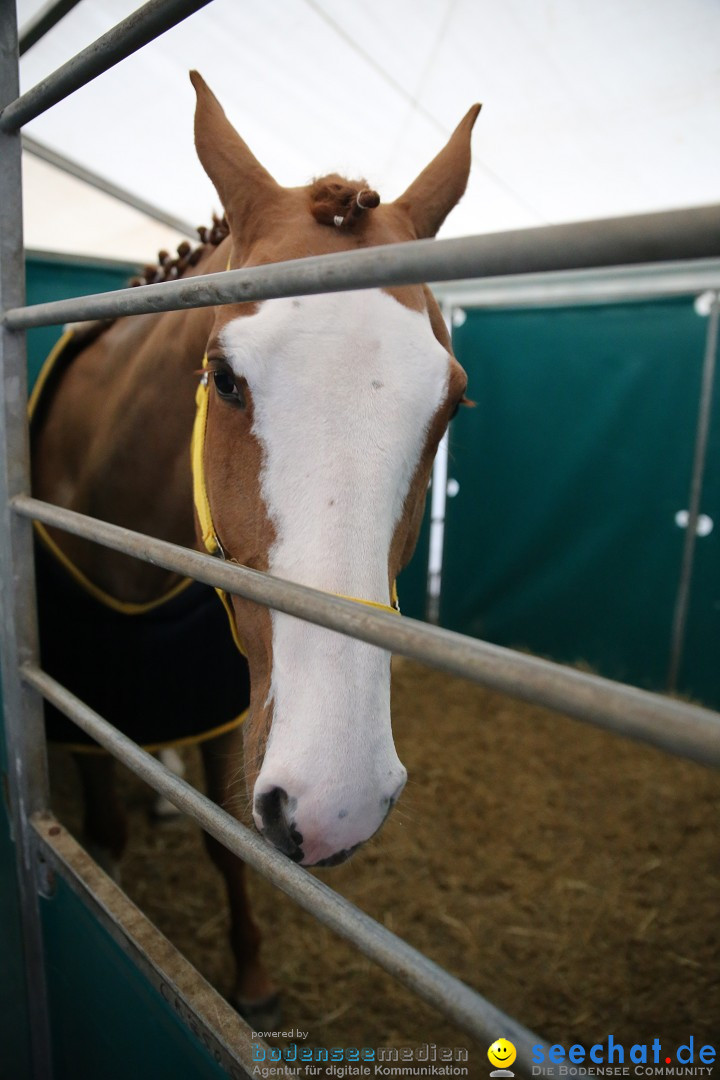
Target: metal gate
x,y
43,847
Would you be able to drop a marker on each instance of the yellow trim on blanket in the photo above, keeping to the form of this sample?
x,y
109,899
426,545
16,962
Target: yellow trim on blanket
x,y
124,607
171,744
46,370
121,606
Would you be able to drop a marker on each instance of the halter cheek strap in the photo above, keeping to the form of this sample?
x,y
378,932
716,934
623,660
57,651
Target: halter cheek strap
x,y
210,538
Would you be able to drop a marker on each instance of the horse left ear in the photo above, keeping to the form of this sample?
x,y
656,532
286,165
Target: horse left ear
x,y
442,183
246,188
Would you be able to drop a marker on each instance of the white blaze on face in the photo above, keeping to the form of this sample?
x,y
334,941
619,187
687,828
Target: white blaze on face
x,y
344,388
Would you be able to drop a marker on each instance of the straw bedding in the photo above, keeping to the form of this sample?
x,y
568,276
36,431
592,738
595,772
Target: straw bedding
x,y
569,876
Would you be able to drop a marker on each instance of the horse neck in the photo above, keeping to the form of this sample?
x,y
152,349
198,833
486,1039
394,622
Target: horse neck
x,y
115,442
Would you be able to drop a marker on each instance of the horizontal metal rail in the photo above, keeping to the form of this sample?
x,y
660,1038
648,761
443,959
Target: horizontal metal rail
x,y
101,183
39,25
468,1009
143,26
601,285
686,730
681,234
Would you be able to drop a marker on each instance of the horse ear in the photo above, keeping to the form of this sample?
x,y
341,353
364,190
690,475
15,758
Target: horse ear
x,y
441,184
245,187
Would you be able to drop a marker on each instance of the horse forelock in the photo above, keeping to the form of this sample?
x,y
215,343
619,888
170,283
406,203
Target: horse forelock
x,y
341,203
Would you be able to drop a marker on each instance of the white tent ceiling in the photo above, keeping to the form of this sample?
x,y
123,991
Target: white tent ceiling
x,y
590,110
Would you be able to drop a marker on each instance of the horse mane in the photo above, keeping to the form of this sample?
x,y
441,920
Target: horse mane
x,y
339,202
170,267
333,201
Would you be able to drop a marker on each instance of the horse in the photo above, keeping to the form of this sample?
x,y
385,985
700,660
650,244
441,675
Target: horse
x,y
320,419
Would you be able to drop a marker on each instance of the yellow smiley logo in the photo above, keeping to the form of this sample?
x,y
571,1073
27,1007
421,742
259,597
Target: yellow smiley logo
x,y
502,1053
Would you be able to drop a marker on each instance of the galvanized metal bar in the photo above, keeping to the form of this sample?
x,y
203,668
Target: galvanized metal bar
x,y
438,499
682,602
23,714
39,25
675,726
468,1009
143,26
87,176
208,1018
678,234
599,285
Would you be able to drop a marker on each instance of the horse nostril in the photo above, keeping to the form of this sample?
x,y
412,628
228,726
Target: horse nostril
x,y
272,807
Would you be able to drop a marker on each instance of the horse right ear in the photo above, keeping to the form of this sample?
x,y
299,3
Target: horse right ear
x,y
246,189
442,183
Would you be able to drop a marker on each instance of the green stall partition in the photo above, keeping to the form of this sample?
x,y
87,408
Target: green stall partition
x,y
108,1021
562,539
14,1024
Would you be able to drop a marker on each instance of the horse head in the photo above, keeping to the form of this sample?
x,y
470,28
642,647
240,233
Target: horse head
x,y
324,415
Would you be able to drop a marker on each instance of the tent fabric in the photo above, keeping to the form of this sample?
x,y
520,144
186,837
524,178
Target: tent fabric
x,y
589,110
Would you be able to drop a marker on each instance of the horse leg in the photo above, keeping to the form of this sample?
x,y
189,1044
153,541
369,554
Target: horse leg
x,y
105,821
254,996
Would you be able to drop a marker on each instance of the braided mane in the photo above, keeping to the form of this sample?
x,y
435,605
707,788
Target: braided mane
x,y
170,267
333,201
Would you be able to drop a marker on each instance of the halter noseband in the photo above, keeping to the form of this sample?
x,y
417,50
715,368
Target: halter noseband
x,y
210,538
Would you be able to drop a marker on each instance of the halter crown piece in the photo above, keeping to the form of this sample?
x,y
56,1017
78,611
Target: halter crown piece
x,y
210,538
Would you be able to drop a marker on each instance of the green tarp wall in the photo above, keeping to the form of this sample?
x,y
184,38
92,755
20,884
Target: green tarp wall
x,y
562,538
57,277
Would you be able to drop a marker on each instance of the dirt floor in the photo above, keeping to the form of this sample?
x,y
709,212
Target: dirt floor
x,y
571,877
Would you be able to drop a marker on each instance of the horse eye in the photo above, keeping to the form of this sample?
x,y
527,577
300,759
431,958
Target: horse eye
x,y
226,387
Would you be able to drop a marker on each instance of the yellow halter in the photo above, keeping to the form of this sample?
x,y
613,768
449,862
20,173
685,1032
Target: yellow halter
x,y
210,538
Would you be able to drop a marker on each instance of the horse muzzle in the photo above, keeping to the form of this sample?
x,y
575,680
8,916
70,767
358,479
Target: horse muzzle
x,y
317,833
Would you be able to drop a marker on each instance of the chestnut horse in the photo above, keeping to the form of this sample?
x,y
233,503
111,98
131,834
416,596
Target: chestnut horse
x,y
323,415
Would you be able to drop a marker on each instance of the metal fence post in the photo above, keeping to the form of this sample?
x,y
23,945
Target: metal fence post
x,y
24,730
702,435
